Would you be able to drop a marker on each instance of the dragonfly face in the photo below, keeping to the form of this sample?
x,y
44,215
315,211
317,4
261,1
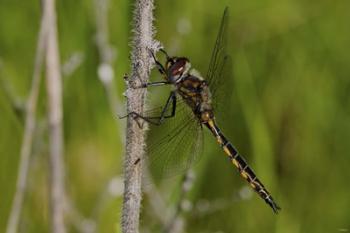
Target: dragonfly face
x,y
177,68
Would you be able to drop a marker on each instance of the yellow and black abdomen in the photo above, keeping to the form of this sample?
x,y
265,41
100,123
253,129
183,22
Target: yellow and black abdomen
x,y
195,91
246,172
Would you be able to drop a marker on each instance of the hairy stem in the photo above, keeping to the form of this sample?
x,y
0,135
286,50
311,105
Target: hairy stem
x,y
135,138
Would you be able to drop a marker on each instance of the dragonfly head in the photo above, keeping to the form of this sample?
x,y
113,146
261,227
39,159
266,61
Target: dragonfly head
x,y
177,68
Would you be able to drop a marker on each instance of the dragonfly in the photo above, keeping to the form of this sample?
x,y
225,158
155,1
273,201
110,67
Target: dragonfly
x,y
193,96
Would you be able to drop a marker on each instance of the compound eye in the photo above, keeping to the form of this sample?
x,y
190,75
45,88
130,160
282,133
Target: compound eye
x,y
178,67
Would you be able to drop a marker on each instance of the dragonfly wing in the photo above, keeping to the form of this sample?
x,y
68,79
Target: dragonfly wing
x,y
219,75
219,52
176,144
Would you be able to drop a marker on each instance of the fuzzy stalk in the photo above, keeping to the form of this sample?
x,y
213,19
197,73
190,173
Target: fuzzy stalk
x,y
135,135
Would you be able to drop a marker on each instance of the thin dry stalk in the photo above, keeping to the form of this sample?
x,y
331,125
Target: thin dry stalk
x,y
29,128
155,199
177,222
135,138
54,92
106,52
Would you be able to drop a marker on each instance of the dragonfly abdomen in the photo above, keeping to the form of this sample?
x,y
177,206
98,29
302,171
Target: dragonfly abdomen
x,y
244,169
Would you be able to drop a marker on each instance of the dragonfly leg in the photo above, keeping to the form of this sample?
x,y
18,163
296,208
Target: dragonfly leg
x,y
171,100
159,65
158,120
165,53
153,84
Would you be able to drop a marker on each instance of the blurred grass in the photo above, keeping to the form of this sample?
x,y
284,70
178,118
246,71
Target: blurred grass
x,y
290,111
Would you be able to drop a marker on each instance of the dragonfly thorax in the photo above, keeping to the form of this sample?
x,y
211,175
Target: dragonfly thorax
x,y
195,91
191,87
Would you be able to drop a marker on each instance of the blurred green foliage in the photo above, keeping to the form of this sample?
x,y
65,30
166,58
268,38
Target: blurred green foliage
x,y
290,113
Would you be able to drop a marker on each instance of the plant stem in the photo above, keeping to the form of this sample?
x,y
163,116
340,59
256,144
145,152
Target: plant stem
x,y
135,138
29,129
54,92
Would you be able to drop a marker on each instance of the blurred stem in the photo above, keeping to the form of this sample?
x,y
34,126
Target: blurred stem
x,y
16,104
155,199
106,53
29,128
135,138
106,56
54,92
177,223
71,65
81,224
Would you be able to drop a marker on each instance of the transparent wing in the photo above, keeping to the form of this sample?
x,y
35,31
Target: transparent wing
x,y
219,76
175,145
222,91
219,53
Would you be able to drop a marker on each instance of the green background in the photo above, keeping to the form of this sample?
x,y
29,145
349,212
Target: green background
x,y
290,108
